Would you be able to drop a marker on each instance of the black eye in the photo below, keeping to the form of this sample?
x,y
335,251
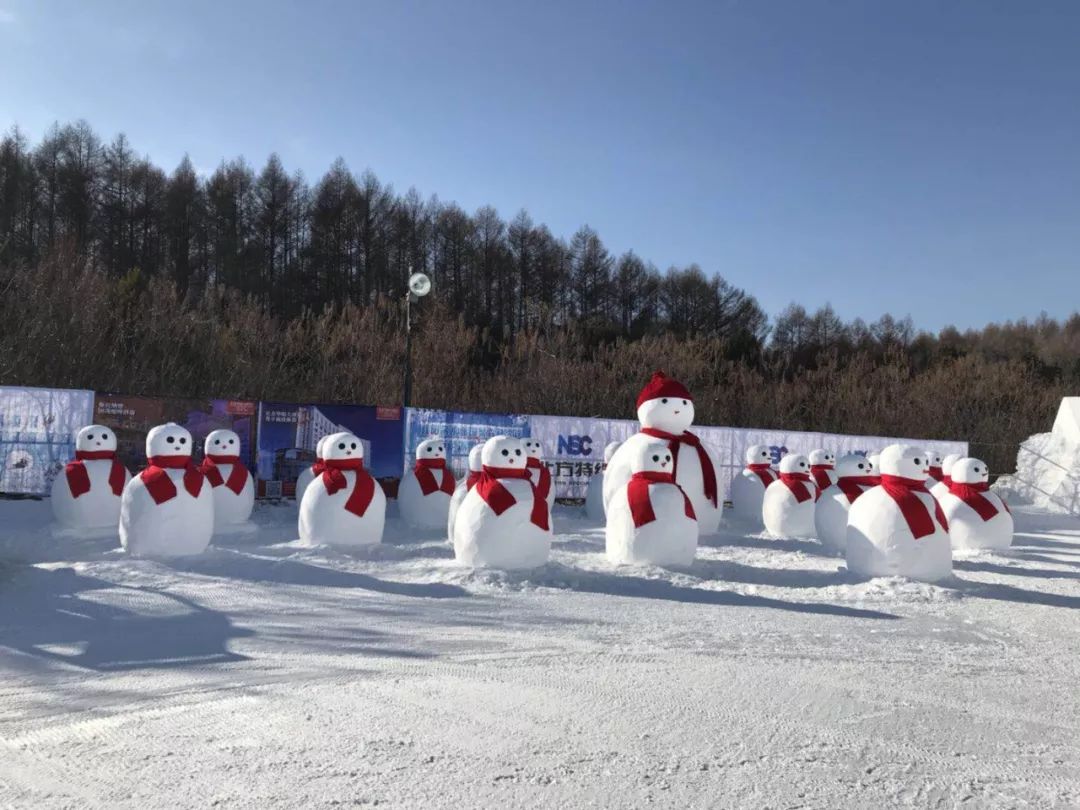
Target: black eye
x,y
341,446
506,452
802,464
860,466
667,457
90,436
684,402
183,440
656,458
353,445
440,448
217,441
664,400
517,452
169,439
917,461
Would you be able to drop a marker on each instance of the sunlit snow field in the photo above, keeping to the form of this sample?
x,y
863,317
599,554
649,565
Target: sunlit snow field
x,y
267,675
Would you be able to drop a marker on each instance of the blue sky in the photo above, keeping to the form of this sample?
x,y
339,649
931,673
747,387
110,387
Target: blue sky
x,y
919,158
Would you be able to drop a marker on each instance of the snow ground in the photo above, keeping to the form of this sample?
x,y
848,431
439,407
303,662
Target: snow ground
x,y
265,675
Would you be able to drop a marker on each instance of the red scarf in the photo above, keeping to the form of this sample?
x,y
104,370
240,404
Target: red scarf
x,y
471,479
797,483
821,475
498,497
78,478
237,476
637,493
918,517
762,471
972,495
318,468
936,473
543,486
854,485
708,472
333,478
161,487
426,478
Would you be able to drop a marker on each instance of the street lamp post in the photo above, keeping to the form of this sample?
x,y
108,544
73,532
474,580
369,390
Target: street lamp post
x,y
419,286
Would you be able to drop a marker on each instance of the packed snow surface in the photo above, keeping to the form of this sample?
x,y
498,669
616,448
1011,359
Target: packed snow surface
x,y
266,675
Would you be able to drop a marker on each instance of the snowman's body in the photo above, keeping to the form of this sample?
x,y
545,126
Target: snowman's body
x,y
594,495
344,506
308,475
854,477
230,481
787,510
650,520
748,487
476,466
823,468
167,511
881,539
427,488
939,489
665,407
86,494
978,518
503,522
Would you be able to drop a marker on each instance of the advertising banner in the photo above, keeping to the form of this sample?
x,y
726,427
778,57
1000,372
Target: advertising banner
x,y
131,418
288,433
37,435
460,430
574,448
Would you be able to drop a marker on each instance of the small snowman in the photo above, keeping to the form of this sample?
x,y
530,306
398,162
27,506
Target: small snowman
x,y
935,460
167,510
85,498
822,467
854,476
311,473
898,528
979,520
503,521
788,506
344,506
940,489
476,466
229,479
748,487
650,521
594,495
538,471
425,491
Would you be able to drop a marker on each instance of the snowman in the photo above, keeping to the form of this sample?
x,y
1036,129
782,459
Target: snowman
x,y
425,492
935,460
748,487
898,528
167,510
594,495
875,466
538,471
311,473
476,466
854,476
979,520
650,521
787,509
232,484
344,506
822,466
940,489
85,498
666,412
503,521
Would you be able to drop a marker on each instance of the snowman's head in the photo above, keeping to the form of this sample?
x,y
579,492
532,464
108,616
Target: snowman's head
x,y
933,457
665,404
431,449
504,451
853,465
476,461
168,440
609,450
319,447
652,457
948,462
95,439
823,457
970,471
533,448
758,454
342,447
905,461
794,463
222,443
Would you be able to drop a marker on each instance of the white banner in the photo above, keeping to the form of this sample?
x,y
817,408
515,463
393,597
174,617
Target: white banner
x,y
574,446
37,435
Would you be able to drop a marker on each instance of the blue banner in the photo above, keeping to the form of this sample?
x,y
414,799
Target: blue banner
x,y
460,430
37,435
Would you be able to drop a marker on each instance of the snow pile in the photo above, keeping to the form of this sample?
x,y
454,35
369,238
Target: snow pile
x,y
1048,466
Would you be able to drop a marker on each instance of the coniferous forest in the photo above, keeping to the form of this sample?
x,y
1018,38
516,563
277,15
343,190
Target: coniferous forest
x,y
117,274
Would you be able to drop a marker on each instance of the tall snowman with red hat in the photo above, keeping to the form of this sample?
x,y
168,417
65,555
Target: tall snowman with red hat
x,y
85,497
666,412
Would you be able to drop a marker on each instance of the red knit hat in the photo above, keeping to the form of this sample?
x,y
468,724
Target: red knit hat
x,y
661,385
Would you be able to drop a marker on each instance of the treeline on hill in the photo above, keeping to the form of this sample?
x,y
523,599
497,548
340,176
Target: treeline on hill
x,y
117,276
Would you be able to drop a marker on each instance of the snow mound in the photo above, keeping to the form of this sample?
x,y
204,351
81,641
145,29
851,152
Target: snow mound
x,y
1048,469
